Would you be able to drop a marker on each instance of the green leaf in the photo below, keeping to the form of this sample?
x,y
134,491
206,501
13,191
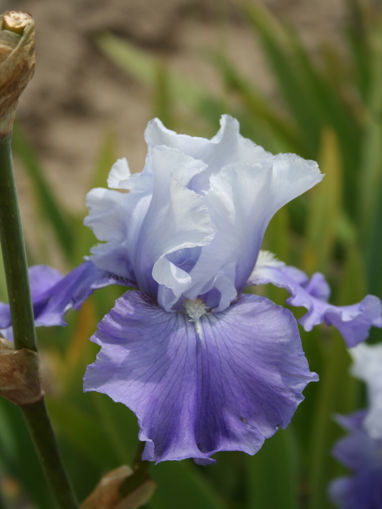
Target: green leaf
x,y
333,113
78,428
272,474
259,105
106,156
163,97
325,207
146,69
336,389
371,175
3,286
179,484
50,210
19,458
118,425
277,47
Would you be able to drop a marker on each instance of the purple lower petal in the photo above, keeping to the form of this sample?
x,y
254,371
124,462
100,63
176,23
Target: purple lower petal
x,y
226,382
352,321
53,295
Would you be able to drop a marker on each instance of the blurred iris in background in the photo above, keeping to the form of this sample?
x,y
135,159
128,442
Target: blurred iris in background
x,y
361,450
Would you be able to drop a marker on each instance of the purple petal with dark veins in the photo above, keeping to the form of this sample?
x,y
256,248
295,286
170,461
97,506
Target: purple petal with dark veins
x,y
224,382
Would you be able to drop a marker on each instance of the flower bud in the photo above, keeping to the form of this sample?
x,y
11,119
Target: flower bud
x,y
17,62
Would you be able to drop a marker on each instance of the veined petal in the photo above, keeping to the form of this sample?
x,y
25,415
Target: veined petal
x,y
53,295
223,381
352,321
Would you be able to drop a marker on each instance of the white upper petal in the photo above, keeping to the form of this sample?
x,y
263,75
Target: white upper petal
x,y
226,147
242,199
367,365
193,220
119,175
177,219
116,219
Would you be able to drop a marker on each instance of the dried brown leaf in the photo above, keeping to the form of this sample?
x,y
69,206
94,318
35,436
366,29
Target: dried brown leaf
x,y
108,492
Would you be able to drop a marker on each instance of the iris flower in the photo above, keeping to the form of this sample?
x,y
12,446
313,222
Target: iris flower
x,y
204,366
361,450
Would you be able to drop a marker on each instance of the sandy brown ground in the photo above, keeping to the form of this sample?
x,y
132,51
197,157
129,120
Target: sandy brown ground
x,y
77,94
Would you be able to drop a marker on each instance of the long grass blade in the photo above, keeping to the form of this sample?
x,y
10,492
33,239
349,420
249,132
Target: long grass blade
x,y
144,68
276,45
325,207
259,106
274,465
51,211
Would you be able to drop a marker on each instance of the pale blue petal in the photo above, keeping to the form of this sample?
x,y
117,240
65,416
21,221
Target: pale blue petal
x,y
177,223
242,199
116,218
192,222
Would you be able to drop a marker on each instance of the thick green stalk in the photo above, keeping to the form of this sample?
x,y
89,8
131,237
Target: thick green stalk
x,y
15,265
40,428
12,245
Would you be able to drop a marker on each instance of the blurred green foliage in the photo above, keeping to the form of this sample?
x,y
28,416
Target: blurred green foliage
x,y
328,109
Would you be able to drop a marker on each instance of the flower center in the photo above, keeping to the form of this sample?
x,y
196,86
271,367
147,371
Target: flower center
x,y
195,309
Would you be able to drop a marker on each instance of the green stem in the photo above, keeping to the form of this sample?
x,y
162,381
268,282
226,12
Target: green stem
x,y
43,437
15,265
137,460
140,472
12,245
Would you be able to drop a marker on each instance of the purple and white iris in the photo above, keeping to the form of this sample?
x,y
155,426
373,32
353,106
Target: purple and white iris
x,y
361,450
204,367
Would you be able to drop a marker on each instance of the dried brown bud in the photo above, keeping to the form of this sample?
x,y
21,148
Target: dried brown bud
x,y
19,375
108,492
17,62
